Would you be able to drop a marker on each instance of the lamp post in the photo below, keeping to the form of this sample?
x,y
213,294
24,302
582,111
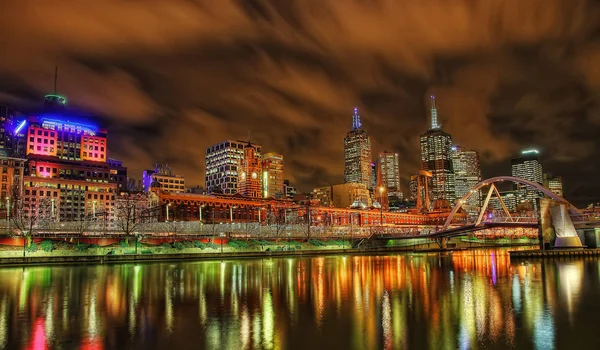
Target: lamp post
x,y
381,190
231,213
168,205
200,217
8,212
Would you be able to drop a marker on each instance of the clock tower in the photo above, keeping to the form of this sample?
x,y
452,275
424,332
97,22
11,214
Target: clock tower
x,y
249,173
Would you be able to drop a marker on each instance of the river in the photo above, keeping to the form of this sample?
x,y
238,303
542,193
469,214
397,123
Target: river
x,y
467,299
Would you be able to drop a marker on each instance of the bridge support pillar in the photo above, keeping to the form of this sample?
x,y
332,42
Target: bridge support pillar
x,y
442,242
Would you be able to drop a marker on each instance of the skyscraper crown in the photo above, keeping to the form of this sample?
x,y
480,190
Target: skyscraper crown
x,y
356,124
434,119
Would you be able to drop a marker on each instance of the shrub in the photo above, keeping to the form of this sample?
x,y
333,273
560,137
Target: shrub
x,y
47,246
188,244
94,245
212,245
199,244
237,244
124,244
166,245
178,245
32,248
316,243
81,247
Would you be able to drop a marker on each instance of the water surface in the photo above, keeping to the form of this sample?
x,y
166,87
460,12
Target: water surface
x,y
475,299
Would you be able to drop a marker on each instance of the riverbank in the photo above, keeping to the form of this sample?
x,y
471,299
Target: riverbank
x,y
217,255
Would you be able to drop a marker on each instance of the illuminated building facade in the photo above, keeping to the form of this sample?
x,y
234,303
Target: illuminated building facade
x,y
9,120
528,167
357,154
249,173
343,195
222,162
389,174
554,184
288,189
272,175
436,158
467,174
68,167
11,179
163,177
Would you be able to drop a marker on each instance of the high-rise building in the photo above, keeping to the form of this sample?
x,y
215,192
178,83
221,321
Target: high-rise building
x,y
528,167
163,177
272,175
467,174
9,119
436,158
357,154
374,177
222,162
343,195
249,173
554,184
11,181
389,174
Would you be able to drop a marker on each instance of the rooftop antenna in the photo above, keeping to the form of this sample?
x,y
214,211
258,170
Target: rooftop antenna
x,y
55,78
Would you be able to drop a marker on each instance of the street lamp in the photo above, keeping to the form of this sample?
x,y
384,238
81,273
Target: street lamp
x,y
168,205
381,190
8,212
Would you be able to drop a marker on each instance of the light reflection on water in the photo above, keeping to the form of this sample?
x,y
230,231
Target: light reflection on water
x,y
464,300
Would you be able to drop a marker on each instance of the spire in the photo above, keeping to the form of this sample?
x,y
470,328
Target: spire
x,y
356,124
55,78
434,119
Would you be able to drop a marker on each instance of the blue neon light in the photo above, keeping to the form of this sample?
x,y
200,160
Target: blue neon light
x,y
20,127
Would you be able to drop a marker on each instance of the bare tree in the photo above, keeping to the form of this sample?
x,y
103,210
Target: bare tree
x,y
277,220
29,215
129,213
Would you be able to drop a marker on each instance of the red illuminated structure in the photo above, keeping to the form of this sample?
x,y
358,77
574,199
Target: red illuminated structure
x,y
249,173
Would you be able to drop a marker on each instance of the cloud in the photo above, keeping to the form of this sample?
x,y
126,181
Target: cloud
x,y
172,77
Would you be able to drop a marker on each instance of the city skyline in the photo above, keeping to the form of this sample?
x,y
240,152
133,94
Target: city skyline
x,y
167,97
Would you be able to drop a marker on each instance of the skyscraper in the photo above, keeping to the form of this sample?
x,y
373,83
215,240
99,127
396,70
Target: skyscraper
x,y
436,158
389,174
467,174
528,167
272,176
222,162
357,154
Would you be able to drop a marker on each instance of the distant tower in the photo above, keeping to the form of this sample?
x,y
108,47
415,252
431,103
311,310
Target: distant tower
x,y
357,154
389,173
436,158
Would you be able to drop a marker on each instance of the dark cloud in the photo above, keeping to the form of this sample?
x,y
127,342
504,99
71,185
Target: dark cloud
x,y
171,77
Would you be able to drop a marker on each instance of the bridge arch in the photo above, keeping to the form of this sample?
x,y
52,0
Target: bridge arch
x,y
498,179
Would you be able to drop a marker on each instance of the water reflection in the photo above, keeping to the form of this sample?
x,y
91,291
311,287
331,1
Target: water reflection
x,y
461,300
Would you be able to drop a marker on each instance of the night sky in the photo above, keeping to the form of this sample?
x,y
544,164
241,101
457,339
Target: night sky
x,y
169,78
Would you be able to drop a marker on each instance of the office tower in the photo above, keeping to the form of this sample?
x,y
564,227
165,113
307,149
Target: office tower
x,y
554,184
9,120
467,174
357,154
222,162
249,170
389,174
436,159
162,176
272,175
528,167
